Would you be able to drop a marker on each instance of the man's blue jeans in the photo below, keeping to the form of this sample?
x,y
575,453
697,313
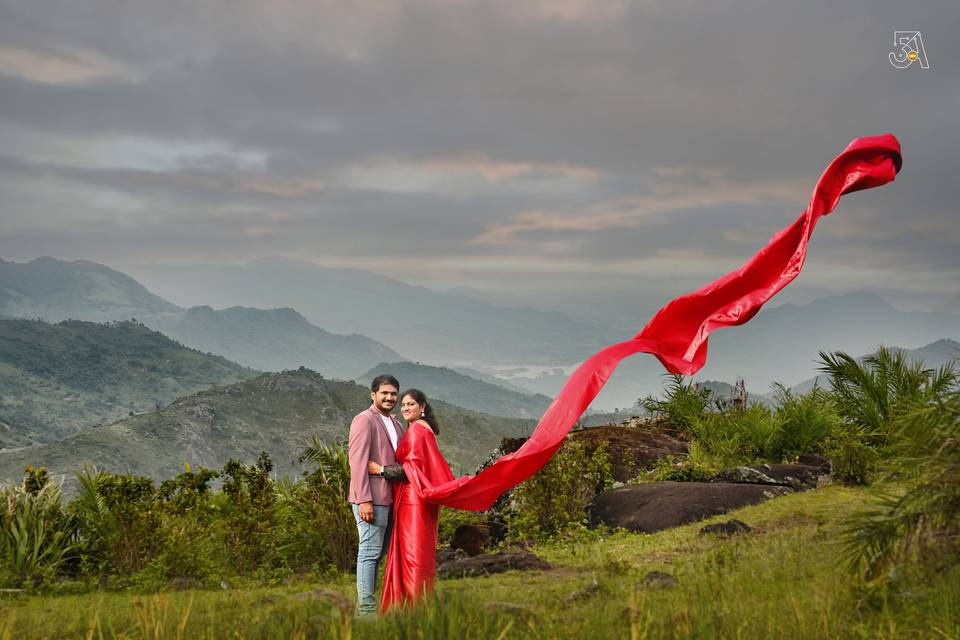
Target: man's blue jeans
x,y
374,540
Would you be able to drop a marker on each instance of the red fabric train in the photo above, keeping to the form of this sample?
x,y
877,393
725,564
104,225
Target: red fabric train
x,y
677,334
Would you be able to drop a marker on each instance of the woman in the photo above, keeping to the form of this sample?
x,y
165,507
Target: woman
x,y
411,559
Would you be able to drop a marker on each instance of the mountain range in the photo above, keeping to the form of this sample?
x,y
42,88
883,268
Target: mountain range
x,y
57,379
423,324
266,339
519,348
462,390
274,412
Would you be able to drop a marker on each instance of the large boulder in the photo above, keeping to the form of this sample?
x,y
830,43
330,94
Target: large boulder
x,y
655,506
472,538
632,447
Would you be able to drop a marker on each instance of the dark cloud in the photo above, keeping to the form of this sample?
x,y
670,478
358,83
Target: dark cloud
x,y
362,132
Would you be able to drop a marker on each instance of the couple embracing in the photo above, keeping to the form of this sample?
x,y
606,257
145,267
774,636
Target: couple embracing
x,y
391,465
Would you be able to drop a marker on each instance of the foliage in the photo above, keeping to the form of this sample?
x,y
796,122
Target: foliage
x,y
805,423
729,588
917,519
557,497
34,533
682,406
873,393
697,466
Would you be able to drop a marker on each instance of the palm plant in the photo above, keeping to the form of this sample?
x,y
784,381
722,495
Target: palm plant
x,y
872,393
34,534
683,403
921,521
332,462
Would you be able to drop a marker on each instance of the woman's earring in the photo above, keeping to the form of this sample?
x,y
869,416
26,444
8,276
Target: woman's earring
x,y
422,414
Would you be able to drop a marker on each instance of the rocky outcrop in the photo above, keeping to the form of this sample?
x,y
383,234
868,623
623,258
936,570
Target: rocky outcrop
x,y
632,447
798,477
473,539
656,506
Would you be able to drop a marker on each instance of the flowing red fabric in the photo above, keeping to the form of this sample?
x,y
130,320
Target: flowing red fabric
x,y
677,334
411,560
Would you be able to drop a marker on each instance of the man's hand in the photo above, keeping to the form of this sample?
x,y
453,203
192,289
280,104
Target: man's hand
x,y
366,512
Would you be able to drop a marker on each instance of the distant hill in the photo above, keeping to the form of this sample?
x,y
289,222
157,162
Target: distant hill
x,y
464,391
56,379
779,345
423,324
54,290
275,412
273,339
934,355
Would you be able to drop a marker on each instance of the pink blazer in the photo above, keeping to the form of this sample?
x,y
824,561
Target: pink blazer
x,y
369,442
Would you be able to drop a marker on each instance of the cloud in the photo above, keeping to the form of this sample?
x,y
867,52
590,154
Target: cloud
x,y
630,212
466,174
69,67
552,139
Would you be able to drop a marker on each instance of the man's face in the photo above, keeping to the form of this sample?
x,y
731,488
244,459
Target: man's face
x,y
384,398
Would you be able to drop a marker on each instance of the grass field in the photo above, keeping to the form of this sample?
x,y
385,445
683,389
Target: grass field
x,y
783,580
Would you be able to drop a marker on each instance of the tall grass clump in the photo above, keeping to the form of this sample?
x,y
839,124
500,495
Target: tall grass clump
x,y
35,538
684,403
916,520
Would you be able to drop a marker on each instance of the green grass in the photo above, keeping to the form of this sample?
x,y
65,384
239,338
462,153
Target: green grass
x,y
783,580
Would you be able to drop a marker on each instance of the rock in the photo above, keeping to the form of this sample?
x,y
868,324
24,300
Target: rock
x,y
448,555
743,475
655,506
472,538
632,449
799,476
488,564
659,580
726,529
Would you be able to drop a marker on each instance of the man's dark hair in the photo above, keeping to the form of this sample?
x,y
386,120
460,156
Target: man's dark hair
x,y
382,380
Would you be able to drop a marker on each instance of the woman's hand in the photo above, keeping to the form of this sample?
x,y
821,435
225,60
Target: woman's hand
x,y
374,468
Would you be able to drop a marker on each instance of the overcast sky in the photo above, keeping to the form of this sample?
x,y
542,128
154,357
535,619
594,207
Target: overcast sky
x,y
527,150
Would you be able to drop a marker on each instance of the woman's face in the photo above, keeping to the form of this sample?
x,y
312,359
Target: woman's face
x,y
409,409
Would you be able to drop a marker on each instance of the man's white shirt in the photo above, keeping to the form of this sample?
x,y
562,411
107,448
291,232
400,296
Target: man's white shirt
x,y
391,430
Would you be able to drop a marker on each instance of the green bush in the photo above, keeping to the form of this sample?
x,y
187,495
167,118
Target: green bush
x,y
918,522
557,497
872,394
34,531
805,423
683,404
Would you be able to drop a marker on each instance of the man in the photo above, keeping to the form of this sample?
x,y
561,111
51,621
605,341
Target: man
x,y
374,435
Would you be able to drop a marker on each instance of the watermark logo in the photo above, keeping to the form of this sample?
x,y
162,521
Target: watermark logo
x,y
907,49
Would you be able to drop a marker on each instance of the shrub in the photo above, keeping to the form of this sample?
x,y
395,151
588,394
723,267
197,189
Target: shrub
x,y
682,406
922,521
34,532
557,497
805,423
117,525
873,393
